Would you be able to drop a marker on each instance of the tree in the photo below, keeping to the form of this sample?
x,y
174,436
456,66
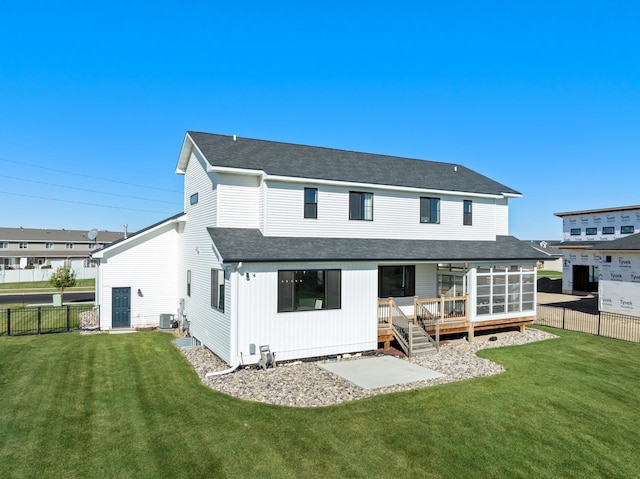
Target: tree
x,y
63,277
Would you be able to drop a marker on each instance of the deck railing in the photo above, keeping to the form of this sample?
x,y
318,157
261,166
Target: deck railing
x,y
391,316
445,309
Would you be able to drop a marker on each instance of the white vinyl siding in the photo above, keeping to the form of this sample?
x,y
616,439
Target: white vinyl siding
x,y
139,268
197,180
396,215
300,334
239,200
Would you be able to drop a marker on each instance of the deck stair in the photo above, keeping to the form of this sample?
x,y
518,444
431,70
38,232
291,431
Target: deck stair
x,y
420,341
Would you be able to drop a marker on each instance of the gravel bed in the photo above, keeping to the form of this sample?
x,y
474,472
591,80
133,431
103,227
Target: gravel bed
x,y
305,384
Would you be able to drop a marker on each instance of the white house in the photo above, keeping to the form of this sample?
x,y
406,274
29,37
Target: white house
x,y
299,248
601,252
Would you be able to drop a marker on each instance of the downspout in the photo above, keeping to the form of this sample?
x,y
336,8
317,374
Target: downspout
x,y
234,315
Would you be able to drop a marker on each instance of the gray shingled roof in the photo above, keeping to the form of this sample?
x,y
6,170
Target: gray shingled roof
x,y
249,245
286,159
49,235
627,243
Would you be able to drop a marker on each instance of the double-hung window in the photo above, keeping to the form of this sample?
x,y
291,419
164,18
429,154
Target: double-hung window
x,y
360,206
310,289
396,281
217,289
311,202
467,211
429,210
23,245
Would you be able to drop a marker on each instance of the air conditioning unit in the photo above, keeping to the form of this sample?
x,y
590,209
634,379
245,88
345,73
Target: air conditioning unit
x,y
166,321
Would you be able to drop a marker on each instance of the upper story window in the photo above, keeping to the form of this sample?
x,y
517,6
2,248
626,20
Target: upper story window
x,y
592,231
576,231
311,202
608,230
467,213
193,199
69,245
309,290
626,230
23,245
360,206
48,245
429,210
4,244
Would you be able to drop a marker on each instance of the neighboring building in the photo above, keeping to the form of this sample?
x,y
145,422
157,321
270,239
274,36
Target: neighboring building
x,y
33,247
601,252
582,231
554,255
299,247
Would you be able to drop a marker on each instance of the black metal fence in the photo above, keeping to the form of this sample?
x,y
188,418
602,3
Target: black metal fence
x,y
46,319
611,325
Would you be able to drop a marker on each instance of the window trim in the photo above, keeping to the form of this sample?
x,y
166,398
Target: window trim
x,y
426,212
358,209
311,207
193,199
287,299
218,289
408,281
467,212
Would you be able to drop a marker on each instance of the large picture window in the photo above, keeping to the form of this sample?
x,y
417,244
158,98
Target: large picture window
x,y
217,289
360,206
305,290
429,210
396,281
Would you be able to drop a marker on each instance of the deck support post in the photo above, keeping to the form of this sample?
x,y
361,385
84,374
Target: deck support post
x,y
471,332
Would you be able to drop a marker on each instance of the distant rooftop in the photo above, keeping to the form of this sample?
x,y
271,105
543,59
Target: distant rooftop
x,y
602,210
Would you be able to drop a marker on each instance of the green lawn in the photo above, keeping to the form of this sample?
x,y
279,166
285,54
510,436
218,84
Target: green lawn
x,y
130,406
45,286
548,273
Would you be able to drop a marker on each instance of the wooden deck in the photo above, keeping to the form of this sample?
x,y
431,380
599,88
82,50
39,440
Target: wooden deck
x,y
438,317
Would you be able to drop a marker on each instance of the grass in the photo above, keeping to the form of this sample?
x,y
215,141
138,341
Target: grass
x,y
43,319
45,286
130,406
548,273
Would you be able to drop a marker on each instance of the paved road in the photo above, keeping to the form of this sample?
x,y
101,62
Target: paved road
x,y
45,298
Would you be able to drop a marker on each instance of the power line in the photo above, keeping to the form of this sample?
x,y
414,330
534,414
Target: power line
x,y
88,190
88,176
83,203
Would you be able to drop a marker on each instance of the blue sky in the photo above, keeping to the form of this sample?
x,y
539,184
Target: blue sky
x,y
95,97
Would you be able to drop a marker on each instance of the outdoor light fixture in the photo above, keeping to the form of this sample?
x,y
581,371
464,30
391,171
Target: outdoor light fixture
x,y
139,292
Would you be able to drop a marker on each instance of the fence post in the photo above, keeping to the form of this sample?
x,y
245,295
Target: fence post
x,y
68,319
39,320
9,322
599,318
563,311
